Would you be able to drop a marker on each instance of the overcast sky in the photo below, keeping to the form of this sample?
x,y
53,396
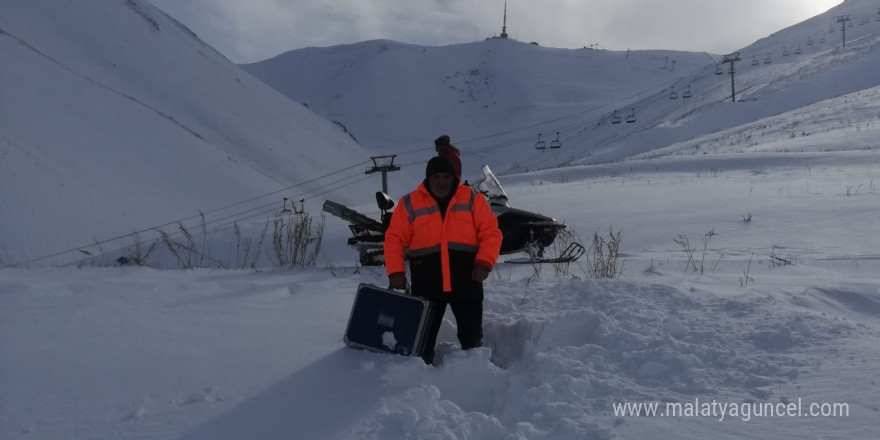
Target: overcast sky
x,y
253,30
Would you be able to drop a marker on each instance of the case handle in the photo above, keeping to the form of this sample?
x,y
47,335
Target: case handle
x,y
407,290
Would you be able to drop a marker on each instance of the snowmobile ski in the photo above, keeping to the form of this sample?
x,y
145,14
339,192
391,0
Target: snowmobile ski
x,y
570,254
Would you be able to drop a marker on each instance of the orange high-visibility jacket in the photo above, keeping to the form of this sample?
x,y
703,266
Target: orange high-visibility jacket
x,y
417,225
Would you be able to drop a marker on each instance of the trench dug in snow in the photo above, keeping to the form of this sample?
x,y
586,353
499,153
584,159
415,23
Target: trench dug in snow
x,y
557,357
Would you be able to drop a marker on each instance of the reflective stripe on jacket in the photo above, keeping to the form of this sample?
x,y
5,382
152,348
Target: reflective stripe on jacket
x,y
468,227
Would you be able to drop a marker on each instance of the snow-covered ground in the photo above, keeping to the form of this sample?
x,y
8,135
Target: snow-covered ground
x,y
785,310
773,303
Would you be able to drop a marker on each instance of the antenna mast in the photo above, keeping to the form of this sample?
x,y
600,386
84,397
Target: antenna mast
x,y
504,26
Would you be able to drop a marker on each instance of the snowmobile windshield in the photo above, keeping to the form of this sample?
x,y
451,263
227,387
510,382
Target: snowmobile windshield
x,y
492,189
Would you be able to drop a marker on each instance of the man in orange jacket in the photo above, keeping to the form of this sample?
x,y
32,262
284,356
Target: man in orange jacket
x,y
453,241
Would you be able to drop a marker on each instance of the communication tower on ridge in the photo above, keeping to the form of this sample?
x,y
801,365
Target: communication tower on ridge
x,y
504,25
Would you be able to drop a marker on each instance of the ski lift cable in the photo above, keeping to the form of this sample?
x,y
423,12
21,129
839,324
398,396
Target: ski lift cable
x,y
510,142
514,142
578,123
574,129
269,207
577,126
535,125
242,202
229,220
302,196
185,219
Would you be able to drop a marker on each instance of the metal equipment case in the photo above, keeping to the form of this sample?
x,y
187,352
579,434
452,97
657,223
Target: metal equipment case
x,y
387,321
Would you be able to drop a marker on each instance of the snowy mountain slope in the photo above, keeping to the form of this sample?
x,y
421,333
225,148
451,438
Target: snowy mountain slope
x,y
811,128
397,98
120,119
806,65
577,93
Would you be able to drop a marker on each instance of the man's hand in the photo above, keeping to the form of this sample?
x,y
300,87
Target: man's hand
x,y
480,273
397,281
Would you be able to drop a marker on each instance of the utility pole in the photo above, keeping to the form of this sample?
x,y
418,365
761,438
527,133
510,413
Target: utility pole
x,y
843,19
731,59
384,165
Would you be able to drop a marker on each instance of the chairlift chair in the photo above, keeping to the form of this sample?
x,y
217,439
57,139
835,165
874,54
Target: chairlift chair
x,y
540,145
755,61
632,117
785,52
718,70
822,38
810,41
556,143
615,118
673,94
798,51
686,94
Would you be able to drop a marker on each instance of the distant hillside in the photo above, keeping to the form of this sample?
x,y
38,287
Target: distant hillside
x,y
115,118
399,97
494,97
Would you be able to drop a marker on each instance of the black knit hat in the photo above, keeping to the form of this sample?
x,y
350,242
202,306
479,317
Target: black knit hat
x,y
442,140
439,164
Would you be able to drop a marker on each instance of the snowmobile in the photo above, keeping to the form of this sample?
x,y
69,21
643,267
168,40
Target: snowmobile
x,y
522,231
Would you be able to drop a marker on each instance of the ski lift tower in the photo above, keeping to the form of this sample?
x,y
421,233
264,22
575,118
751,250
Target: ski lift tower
x,y
731,59
843,19
384,165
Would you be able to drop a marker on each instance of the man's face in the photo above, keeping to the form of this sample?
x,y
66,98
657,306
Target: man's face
x,y
440,184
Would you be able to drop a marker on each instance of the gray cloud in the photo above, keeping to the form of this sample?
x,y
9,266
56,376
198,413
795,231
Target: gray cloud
x,y
253,30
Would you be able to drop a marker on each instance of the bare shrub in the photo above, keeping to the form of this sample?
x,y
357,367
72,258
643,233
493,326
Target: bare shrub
x,y
697,262
296,238
185,251
176,249
603,256
743,282
244,252
139,257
